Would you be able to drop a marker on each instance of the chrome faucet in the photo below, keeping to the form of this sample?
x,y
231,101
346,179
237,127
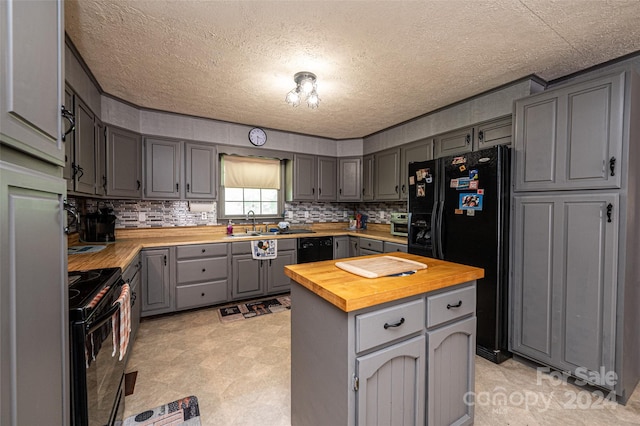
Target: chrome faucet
x,y
253,218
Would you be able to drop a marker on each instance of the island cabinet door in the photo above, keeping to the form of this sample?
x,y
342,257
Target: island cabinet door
x,y
450,376
391,385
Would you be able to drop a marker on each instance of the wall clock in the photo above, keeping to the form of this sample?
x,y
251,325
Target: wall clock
x,y
257,136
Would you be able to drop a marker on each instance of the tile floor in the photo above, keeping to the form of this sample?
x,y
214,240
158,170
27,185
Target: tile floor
x,y
240,373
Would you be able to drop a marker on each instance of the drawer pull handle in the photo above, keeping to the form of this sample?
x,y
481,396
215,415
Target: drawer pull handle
x,y
457,305
397,324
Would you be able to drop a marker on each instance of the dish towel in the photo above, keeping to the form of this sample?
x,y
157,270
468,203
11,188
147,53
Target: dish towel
x,y
121,322
264,249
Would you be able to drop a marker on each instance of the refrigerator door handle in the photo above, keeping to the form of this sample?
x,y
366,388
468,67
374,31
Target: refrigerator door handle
x,y
436,228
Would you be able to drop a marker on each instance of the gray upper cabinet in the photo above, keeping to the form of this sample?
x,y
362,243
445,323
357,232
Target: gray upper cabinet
x,y
124,163
327,176
495,132
31,86
565,275
349,179
101,157
416,151
200,171
84,165
387,174
368,173
311,178
571,138
454,143
69,160
162,168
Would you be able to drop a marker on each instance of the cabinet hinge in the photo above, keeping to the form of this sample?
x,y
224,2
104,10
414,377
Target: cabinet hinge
x,y
355,383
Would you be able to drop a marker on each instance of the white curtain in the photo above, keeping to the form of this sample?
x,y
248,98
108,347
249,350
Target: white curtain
x,y
250,172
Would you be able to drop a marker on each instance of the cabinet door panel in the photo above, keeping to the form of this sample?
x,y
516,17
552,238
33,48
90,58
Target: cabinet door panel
x,y
451,354
201,171
124,163
85,155
277,281
536,144
327,175
387,175
590,243
533,276
101,159
453,143
368,173
67,173
494,133
304,177
391,390
156,290
594,134
32,86
162,168
247,276
350,179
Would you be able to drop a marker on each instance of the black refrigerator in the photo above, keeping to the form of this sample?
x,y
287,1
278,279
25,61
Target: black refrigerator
x,y
459,212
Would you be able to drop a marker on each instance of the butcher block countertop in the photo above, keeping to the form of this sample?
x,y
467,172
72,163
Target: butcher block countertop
x,y
129,242
350,292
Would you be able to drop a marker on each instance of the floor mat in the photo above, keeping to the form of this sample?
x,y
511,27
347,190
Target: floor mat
x,y
254,308
183,412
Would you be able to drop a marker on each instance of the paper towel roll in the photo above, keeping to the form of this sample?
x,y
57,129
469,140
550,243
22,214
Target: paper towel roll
x,y
201,207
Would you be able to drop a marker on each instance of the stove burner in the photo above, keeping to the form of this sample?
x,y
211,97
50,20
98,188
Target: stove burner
x,y
73,293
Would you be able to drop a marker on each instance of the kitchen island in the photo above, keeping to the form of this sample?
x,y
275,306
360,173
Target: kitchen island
x,y
389,350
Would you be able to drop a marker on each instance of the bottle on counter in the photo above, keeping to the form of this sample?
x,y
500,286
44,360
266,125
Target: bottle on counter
x,y
229,228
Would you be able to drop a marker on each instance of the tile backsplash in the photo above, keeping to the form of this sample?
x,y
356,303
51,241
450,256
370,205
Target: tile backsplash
x,y
156,213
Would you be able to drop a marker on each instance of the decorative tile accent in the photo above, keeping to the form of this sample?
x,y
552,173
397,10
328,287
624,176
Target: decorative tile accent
x,y
158,213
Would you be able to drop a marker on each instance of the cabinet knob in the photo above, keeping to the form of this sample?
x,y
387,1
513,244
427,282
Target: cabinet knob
x,y
204,250
204,270
202,295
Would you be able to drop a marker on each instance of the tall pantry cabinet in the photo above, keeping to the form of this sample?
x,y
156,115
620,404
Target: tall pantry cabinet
x,y
34,376
575,273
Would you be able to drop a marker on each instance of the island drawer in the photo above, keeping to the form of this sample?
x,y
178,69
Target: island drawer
x,y
385,325
191,296
370,244
202,269
201,250
451,305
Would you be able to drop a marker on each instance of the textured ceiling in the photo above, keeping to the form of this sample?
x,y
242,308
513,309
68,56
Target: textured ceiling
x,y
378,63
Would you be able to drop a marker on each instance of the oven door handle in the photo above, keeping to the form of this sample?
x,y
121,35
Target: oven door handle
x,y
93,326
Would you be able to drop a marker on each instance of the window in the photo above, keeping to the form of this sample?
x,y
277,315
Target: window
x,y
250,183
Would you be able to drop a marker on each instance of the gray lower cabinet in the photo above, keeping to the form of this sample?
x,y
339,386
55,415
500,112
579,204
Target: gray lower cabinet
x,y
202,275
33,292
391,385
370,246
124,163
398,363
451,373
353,246
131,276
253,277
156,282
390,247
340,247
565,276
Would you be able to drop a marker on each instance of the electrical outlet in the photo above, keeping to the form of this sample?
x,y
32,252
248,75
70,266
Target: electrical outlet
x,y
289,214
142,216
344,213
306,215
203,215
381,215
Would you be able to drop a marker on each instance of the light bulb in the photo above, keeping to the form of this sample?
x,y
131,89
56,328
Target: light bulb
x,y
293,98
306,86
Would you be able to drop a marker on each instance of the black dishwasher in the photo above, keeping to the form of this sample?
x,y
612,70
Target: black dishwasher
x,y
315,249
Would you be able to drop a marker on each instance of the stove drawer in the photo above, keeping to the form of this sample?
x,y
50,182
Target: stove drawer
x,y
199,270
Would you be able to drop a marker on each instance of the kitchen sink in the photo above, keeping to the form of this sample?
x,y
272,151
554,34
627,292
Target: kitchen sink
x,y
264,234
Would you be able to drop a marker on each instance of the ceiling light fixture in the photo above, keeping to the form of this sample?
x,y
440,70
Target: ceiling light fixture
x,y
305,90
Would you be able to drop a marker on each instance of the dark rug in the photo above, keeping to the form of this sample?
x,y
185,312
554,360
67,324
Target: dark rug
x,y
184,412
254,308
130,382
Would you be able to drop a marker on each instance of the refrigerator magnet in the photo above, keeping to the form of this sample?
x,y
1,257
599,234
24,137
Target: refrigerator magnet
x,y
473,184
453,183
480,191
412,180
458,160
473,174
462,168
458,211
463,183
420,190
471,212
470,201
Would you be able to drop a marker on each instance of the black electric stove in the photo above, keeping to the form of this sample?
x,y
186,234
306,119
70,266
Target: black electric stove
x,y
84,286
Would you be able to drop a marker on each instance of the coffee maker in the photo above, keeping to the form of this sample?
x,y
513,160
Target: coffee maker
x,y
98,227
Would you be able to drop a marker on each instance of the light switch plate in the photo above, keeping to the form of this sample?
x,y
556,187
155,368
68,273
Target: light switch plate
x,y
306,215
